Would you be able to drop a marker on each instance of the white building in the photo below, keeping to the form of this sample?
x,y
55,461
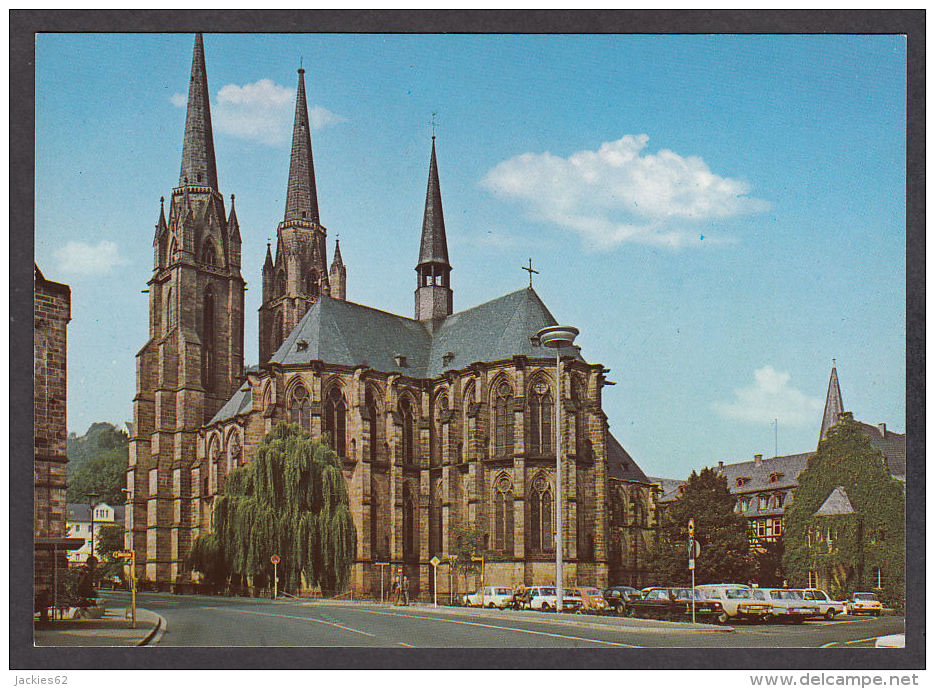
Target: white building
x,y
78,523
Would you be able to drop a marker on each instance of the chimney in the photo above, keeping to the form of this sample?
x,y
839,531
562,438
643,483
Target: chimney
x,y
720,465
758,459
882,428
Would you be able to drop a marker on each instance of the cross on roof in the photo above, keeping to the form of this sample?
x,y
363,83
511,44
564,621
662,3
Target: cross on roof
x,y
434,124
530,271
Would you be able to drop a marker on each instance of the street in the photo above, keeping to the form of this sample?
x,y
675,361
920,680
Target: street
x,y
223,621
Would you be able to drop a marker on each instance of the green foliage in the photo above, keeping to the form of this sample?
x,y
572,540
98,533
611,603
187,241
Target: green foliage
x,y
850,547
721,532
208,558
97,464
109,538
291,500
469,542
76,587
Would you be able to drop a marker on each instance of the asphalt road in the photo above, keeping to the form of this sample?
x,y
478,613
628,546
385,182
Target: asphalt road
x,y
220,621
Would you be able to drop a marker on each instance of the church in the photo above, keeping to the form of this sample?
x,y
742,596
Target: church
x,y
441,420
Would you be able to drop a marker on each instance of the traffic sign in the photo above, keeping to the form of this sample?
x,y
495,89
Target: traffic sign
x,y
435,561
691,526
691,563
122,553
274,559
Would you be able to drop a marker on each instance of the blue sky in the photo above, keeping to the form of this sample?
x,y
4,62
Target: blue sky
x,y
718,215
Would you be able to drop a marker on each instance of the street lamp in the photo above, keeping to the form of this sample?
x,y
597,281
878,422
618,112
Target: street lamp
x,y
92,497
557,337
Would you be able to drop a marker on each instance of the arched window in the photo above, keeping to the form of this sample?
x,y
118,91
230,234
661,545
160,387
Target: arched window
x,y
212,478
234,451
435,520
169,312
408,430
300,411
208,255
268,400
311,284
539,419
336,420
371,405
470,424
639,513
503,420
578,396
409,541
540,515
173,249
503,515
208,342
439,437
375,549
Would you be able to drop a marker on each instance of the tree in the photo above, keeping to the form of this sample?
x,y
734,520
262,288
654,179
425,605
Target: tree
x,y
721,533
291,501
103,475
855,547
207,557
109,539
99,437
468,542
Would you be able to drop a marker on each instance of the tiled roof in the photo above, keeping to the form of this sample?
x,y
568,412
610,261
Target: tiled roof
x,y
620,464
892,445
787,466
668,486
240,403
78,512
837,503
341,332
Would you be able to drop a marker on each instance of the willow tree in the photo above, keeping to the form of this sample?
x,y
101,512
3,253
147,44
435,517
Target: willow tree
x,y
291,501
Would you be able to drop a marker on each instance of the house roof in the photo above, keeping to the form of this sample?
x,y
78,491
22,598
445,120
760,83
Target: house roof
x,y
788,467
892,445
78,512
837,503
620,465
342,332
240,403
668,486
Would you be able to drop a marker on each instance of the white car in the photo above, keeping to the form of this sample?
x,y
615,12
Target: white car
x,y
860,603
490,597
544,598
737,602
787,604
827,608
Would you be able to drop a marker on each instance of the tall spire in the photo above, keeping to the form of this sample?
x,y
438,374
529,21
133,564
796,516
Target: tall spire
x,y
301,198
338,274
434,248
198,164
834,405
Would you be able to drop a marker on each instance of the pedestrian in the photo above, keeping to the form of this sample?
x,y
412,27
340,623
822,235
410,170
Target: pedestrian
x,y
394,589
405,589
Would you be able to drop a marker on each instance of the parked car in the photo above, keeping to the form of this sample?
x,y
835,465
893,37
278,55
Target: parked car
x,y
863,603
618,597
657,603
544,598
827,608
592,599
737,602
490,597
787,605
705,608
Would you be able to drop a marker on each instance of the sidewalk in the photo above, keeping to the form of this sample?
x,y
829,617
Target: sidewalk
x,y
112,630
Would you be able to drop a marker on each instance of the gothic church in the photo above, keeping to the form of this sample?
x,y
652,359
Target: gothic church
x,y
440,420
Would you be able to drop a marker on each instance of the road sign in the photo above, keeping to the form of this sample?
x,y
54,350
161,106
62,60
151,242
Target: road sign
x,y
691,563
691,526
274,559
435,561
694,549
122,553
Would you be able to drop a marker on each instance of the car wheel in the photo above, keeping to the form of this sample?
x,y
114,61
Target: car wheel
x,y
544,607
722,618
829,614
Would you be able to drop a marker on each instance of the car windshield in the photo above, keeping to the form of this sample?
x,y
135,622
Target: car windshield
x,y
503,592
546,591
758,595
865,596
737,593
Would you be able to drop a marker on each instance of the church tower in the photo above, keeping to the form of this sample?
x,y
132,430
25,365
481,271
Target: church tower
x,y
299,274
193,360
834,405
433,290
338,274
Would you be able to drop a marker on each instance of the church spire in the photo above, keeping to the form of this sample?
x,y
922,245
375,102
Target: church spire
x,y
834,405
338,274
198,164
301,198
433,289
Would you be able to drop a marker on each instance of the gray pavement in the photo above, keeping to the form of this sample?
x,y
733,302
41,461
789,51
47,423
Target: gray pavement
x,y
112,630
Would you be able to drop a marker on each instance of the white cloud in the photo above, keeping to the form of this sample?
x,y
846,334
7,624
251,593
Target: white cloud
x,y
771,397
262,111
620,194
78,258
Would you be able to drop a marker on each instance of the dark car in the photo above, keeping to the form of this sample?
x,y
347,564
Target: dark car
x,y
705,609
619,597
657,603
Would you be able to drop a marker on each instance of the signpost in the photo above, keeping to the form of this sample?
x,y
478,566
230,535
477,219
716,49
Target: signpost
x,y
692,547
382,566
275,560
481,560
132,555
435,563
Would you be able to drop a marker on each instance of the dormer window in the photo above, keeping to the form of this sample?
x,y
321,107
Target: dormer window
x,y
301,345
741,480
774,477
761,502
400,360
447,358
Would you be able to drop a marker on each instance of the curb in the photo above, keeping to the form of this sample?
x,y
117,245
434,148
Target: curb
x,y
160,625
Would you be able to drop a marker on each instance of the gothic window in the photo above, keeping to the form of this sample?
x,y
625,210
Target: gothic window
x,y
440,436
336,420
503,420
234,451
540,413
208,254
208,342
578,395
173,248
268,400
409,540
371,405
435,521
212,479
540,515
408,430
311,284
470,423
300,411
503,515
639,514
374,518
168,311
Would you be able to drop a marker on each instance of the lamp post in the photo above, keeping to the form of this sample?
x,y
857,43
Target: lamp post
x,y
557,337
92,498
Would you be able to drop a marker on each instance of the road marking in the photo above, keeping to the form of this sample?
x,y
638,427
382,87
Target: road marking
x,y
855,641
405,644
291,617
511,629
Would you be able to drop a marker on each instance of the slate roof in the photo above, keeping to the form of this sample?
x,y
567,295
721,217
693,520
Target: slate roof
x,y
787,466
837,503
892,445
77,512
434,246
240,403
620,464
668,486
342,332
